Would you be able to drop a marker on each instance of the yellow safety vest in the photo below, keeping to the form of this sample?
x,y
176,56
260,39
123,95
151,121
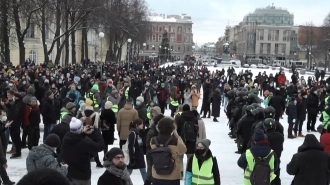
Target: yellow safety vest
x,y
250,167
126,92
114,108
95,104
203,175
179,113
62,116
174,103
148,115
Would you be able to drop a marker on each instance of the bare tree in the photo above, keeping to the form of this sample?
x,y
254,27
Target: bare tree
x,y
4,6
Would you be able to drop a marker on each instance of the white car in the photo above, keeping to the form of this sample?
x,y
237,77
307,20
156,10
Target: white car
x,y
253,66
246,66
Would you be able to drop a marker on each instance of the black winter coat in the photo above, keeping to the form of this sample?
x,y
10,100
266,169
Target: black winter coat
x,y
291,111
16,113
135,150
142,112
310,166
276,141
108,178
108,117
152,132
312,104
180,120
50,111
60,130
216,103
77,151
301,109
244,127
278,103
201,159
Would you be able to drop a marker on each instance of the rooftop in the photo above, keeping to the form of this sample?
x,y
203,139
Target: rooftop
x,y
170,18
271,10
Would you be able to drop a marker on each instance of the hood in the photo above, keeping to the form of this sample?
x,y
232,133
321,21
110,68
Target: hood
x,y
40,151
31,91
310,143
260,149
128,107
64,110
188,116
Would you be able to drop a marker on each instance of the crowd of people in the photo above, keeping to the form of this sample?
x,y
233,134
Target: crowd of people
x,y
81,108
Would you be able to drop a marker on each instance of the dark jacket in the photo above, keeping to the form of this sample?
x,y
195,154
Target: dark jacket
x,y
301,109
16,113
312,104
77,151
180,120
136,153
276,141
142,112
201,159
152,132
278,103
108,178
310,166
60,130
108,118
291,111
216,103
244,127
50,111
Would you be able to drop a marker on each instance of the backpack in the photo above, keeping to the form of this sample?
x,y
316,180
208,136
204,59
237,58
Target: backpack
x,y
125,149
261,172
190,131
89,119
161,158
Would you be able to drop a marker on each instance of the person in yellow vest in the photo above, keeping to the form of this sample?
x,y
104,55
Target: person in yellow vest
x,y
203,167
260,150
174,100
67,113
94,95
179,111
126,92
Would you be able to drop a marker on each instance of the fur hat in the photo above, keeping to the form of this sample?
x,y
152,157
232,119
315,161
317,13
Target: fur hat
x,y
76,125
140,98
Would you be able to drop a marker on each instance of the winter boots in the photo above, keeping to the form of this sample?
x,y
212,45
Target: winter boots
x,y
290,136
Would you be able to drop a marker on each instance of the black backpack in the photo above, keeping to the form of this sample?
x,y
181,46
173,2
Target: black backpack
x,y
190,131
161,158
261,172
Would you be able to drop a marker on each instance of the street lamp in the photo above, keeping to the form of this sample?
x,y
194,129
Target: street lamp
x,y
144,47
129,49
282,59
153,47
193,47
244,57
165,54
101,36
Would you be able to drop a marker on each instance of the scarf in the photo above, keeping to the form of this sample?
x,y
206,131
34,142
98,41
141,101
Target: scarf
x,y
123,174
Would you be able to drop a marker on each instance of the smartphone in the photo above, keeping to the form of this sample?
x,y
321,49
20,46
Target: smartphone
x,y
91,127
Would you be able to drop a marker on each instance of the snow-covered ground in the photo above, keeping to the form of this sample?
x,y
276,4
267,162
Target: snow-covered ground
x,y
222,147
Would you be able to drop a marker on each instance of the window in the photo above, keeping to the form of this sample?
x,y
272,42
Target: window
x,y
260,34
179,48
30,31
154,37
268,48
159,38
276,48
261,48
284,35
154,28
269,34
277,35
147,47
283,48
160,28
33,56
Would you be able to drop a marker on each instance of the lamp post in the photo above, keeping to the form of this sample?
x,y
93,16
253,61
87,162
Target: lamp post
x,y
101,36
295,56
153,47
160,47
244,57
144,47
309,60
282,59
129,49
165,54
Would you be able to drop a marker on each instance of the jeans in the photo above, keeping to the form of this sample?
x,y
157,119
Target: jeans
x,y
47,129
142,171
299,124
225,103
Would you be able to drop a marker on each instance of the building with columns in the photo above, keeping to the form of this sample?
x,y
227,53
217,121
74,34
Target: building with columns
x,y
179,28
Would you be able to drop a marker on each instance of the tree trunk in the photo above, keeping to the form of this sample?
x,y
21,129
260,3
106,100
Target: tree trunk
x,y
86,44
5,30
73,47
67,35
58,31
43,33
82,49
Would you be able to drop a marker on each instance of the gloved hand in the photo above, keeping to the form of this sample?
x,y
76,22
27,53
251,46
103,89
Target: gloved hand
x,y
131,160
294,120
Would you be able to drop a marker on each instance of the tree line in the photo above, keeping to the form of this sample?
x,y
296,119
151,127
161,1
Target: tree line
x,y
117,19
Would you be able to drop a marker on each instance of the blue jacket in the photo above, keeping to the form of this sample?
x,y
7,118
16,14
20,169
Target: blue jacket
x,y
260,150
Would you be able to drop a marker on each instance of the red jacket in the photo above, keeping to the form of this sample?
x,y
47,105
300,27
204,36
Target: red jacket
x,y
325,141
281,79
162,94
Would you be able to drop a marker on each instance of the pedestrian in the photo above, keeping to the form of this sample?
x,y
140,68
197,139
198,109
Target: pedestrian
x,y
45,176
32,121
108,121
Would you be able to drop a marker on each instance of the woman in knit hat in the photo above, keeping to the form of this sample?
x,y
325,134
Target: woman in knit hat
x,y
203,155
108,121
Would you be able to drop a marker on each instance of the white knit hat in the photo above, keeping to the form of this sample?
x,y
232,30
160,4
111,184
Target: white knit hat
x,y
108,105
140,98
76,125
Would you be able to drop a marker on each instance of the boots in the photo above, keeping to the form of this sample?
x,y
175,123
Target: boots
x,y
12,151
301,135
215,119
290,136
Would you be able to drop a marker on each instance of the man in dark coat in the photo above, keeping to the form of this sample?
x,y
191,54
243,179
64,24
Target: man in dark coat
x,y
278,103
115,173
310,166
312,109
207,93
77,151
50,110
244,127
301,113
216,104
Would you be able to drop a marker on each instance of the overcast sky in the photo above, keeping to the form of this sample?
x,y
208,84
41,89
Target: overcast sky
x,y
210,17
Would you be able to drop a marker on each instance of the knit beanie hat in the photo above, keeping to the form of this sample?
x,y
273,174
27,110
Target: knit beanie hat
x,y
258,135
33,99
108,105
52,140
70,105
76,125
186,107
206,143
113,152
95,87
81,106
140,98
89,102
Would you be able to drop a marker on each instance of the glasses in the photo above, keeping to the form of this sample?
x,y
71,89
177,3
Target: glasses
x,y
119,157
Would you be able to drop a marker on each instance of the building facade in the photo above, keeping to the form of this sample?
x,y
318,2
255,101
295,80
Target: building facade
x,y
267,33
209,49
180,35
